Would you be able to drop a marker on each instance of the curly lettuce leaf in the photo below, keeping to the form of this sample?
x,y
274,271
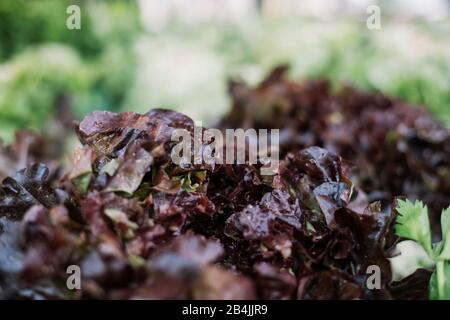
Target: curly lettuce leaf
x,y
25,188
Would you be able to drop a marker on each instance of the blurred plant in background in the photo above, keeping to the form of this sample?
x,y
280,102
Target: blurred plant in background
x,y
136,55
41,59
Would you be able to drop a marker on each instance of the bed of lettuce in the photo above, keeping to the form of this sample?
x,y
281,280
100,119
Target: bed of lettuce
x,y
141,227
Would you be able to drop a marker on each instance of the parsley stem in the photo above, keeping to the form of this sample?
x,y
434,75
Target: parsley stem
x,y
440,279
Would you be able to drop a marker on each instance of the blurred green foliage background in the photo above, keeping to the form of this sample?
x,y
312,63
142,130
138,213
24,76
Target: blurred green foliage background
x,y
116,63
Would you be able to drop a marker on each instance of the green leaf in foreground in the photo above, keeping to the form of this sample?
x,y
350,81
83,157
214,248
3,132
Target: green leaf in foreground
x,y
413,223
443,249
445,222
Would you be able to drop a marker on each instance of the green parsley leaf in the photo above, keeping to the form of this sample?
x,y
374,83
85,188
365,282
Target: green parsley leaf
x,y
444,246
412,223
